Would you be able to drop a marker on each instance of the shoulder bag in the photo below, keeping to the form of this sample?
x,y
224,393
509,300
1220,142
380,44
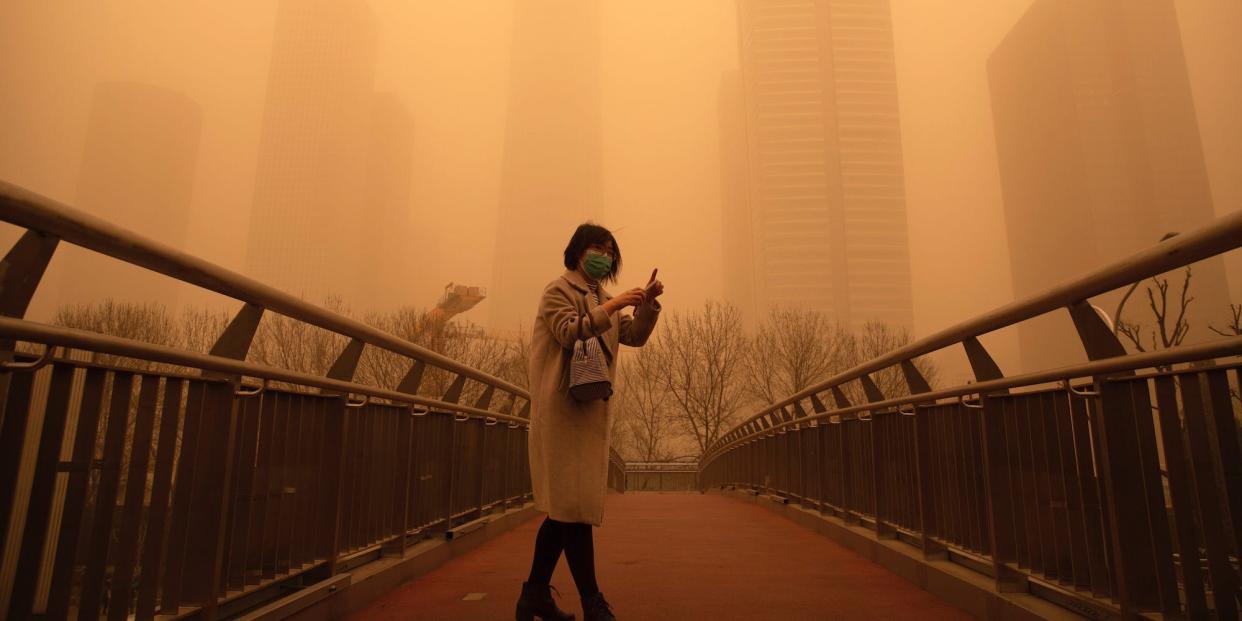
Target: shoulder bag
x,y
588,371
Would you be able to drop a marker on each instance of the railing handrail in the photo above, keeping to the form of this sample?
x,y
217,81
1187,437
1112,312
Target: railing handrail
x,y
1228,346
27,209
661,466
1222,235
26,330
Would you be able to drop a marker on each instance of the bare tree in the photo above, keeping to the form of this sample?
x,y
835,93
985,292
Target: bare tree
x,y
1169,330
702,353
148,323
287,343
515,364
194,329
1234,328
644,412
458,339
380,367
792,350
877,338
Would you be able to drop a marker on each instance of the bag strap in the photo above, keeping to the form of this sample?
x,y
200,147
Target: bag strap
x,y
602,344
587,302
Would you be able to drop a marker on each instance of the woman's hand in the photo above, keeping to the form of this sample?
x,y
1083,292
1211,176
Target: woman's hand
x,y
654,287
633,297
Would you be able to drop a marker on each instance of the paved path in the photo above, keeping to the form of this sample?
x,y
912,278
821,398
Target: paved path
x,y
665,556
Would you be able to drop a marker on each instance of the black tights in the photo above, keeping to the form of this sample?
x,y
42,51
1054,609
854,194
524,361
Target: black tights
x,y
576,540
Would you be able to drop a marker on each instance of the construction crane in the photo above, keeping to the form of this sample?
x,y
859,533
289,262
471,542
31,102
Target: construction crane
x,y
456,300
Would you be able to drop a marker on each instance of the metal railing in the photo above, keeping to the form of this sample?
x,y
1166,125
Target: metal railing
x,y
1111,487
672,476
128,491
616,471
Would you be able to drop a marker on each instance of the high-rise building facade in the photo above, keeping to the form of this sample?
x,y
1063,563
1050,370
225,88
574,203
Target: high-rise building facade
x,y
138,170
551,179
738,260
1100,157
825,209
308,214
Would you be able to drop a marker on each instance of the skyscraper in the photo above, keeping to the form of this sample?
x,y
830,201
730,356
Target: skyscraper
x,y
1099,156
826,197
307,219
551,171
738,262
138,171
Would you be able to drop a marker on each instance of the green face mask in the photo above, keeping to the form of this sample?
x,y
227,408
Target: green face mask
x,y
597,265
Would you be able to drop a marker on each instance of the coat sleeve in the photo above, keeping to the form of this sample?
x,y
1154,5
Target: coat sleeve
x,y
564,321
636,329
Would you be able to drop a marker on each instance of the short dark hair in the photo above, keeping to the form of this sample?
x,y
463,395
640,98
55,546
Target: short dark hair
x,y
587,234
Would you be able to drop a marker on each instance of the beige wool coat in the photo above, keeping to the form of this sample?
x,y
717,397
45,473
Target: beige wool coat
x,y
568,441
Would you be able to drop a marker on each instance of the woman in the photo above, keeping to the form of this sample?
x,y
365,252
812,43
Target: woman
x,y
568,440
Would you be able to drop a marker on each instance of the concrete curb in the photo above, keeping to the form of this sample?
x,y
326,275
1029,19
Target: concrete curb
x,y
353,591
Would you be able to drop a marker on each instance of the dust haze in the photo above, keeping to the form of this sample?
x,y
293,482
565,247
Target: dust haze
x,y
379,150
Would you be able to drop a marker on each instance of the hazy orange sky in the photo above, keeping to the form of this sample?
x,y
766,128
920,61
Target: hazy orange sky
x,y
662,63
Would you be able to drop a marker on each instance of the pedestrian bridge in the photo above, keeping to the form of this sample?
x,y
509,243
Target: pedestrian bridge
x,y
1108,489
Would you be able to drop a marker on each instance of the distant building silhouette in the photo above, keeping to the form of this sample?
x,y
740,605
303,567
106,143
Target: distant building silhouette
x,y
387,248
138,170
738,264
1099,157
308,218
551,178
824,180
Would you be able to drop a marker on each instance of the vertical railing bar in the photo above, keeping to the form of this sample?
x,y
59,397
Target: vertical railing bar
x,y
1181,490
105,495
1043,489
968,535
300,421
262,490
72,527
1092,406
1017,480
172,594
330,431
135,490
1071,491
1000,495
354,481
238,516
981,520
1154,495
1225,429
161,488
1223,577
220,395
17,406
1032,502
1134,554
1058,494
39,507
284,453
405,482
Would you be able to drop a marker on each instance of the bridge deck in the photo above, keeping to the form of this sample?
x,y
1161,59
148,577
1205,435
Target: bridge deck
x,y
677,556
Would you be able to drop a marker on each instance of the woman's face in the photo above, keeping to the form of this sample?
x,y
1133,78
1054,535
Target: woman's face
x,y
606,249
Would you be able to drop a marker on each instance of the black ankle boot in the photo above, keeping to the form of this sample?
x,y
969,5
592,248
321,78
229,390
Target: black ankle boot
x,y
536,601
595,608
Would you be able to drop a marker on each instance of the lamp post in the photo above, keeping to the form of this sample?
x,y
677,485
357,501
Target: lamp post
x,y
1126,297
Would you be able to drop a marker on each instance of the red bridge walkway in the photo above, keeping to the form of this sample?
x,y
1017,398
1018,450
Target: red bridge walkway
x,y
663,556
